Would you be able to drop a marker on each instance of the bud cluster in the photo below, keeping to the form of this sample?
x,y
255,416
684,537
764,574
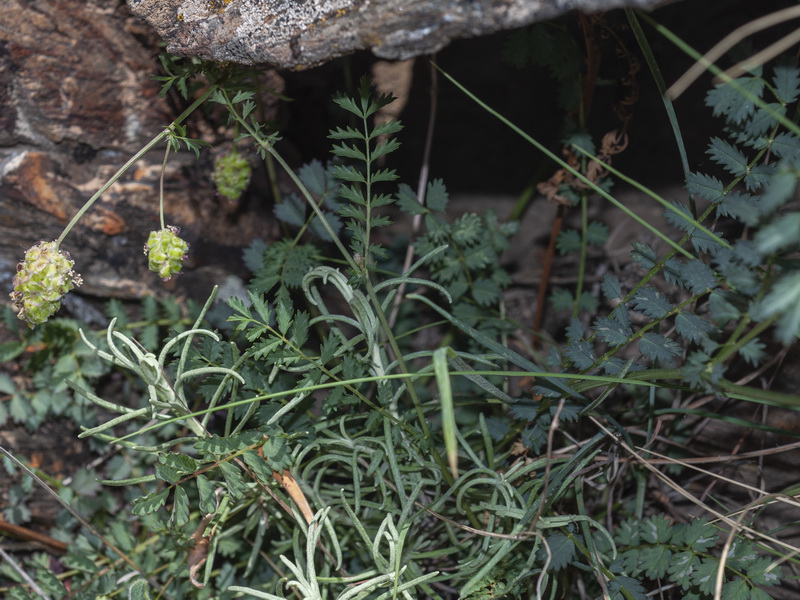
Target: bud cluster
x,y
42,280
166,252
231,175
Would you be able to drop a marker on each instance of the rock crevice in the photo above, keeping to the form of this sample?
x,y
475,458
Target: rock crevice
x,y
298,34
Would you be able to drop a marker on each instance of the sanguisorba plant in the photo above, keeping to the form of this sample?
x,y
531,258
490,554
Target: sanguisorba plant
x,y
317,453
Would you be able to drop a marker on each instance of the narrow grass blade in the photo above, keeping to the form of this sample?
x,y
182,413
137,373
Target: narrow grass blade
x,y
500,350
558,160
668,205
442,374
655,71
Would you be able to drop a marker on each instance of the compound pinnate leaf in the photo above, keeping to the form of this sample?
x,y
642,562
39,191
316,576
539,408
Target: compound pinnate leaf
x,y
596,233
779,234
786,80
680,217
722,308
467,229
611,331
705,186
753,352
525,411
762,571
291,210
180,508
705,574
736,590
699,534
150,503
568,241
317,178
168,473
580,353
782,301
650,302
655,560
657,529
693,328
626,588
742,553
139,590
485,292
233,479
644,255
384,148
588,302
562,551
786,145
757,594
574,330
729,156
561,299
478,257
207,497
780,190
436,196
407,200
697,276
611,287
658,348
615,366
628,533
740,206
734,101
764,119
681,567
351,174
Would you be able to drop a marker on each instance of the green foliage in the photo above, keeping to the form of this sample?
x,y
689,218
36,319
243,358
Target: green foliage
x,y
366,146
469,265
360,430
657,549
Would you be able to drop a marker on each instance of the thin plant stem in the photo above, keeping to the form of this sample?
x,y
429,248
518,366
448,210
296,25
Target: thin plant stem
x,y
79,518
687,49
582,258
270,148
544,280
567,167
669,107
149,146
422,185
161,187
24,575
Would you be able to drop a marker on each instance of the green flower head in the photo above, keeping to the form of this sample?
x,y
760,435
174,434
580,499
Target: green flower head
x,y
166,252
231,175
42,279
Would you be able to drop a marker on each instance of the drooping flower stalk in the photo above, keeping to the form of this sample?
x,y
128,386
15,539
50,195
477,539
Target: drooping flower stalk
x,y
46,273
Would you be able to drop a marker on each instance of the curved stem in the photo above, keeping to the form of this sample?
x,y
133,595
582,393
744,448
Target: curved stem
x,y
161,187
149,146
267,145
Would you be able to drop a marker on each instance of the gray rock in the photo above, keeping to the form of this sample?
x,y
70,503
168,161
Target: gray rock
x,y
297,34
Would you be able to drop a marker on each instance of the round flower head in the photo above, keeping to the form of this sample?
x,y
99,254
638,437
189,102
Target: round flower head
x,y
231,175
166,251
42,279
